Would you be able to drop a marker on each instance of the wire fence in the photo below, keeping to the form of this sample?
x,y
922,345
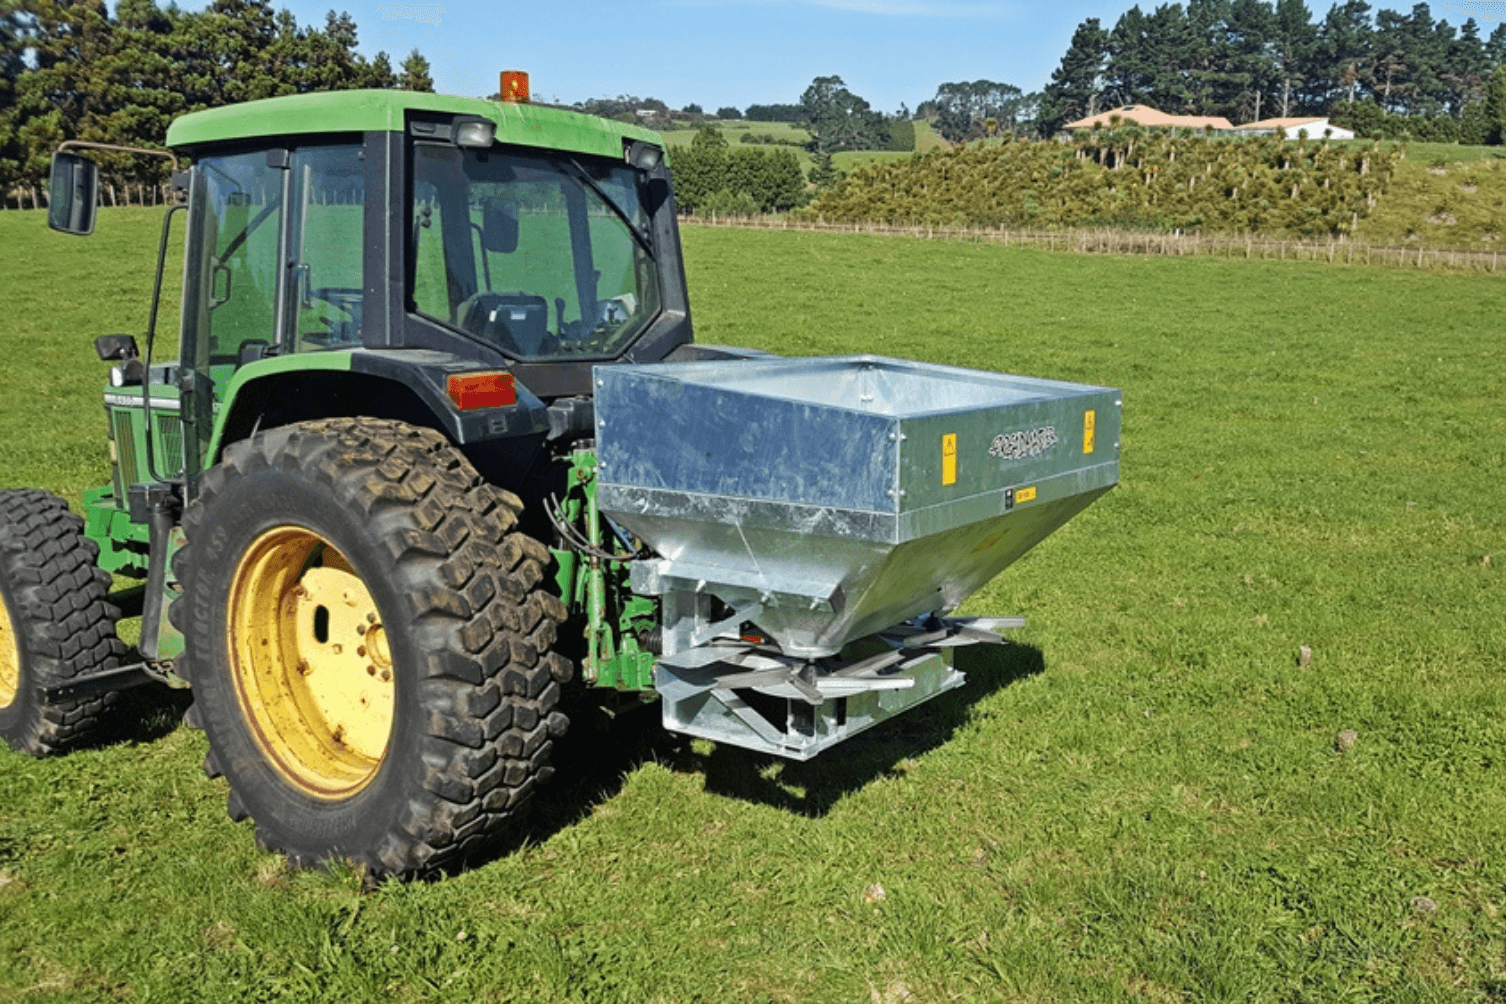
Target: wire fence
x,y
1335,251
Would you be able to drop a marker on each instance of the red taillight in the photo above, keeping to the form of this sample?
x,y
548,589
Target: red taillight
x,y
515,87
482,390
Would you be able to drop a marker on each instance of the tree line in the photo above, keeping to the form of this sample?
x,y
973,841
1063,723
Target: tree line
x,y
70,70
1248,60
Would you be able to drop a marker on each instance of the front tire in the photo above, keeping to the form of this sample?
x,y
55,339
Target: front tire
x,y
368,641
56,622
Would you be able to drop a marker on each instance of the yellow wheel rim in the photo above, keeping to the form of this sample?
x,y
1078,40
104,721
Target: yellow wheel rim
x,y
311,665
10,658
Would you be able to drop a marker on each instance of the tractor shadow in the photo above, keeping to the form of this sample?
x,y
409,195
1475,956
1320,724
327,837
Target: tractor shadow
x,y
600,752
141,714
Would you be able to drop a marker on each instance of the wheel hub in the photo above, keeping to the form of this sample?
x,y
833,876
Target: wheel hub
x,y
10,658
311,663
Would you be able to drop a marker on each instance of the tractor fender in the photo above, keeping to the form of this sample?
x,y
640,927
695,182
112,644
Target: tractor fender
x,y
405,384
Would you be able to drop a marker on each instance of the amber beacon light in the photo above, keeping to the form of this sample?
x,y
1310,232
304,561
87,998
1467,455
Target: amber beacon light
x,y
515,87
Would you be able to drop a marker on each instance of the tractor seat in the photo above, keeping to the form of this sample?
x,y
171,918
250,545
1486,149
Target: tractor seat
x,y
518,322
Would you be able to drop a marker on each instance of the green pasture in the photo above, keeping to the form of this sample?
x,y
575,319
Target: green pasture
x,y
1148,797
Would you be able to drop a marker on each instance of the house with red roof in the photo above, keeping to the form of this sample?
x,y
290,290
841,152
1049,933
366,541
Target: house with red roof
x,y
1151,118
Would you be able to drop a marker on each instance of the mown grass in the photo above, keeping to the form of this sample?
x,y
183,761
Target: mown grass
x,y
1143,799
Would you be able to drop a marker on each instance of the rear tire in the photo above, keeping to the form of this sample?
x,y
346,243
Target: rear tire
x,y
56,622
368,640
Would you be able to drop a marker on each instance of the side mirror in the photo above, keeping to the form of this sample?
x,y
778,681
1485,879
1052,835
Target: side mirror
x,y
73,194
112,347
499,226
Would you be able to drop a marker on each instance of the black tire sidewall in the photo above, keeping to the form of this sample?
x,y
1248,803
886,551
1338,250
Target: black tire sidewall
x,y
302,824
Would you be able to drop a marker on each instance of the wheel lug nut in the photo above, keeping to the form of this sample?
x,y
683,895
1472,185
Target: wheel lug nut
x,y
371,671
304,667
337,649
361,651
386,675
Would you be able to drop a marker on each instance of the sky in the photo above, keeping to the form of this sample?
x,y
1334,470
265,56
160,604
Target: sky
x,y
723,52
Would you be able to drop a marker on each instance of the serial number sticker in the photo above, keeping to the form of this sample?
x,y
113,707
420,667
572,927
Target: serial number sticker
x,y
949,459
1024,495
1026,443
1089,420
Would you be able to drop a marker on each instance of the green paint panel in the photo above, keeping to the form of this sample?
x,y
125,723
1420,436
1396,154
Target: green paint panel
x,y
385,111
123,545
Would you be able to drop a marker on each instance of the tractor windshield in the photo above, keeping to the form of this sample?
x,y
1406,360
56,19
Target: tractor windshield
x,y
541,255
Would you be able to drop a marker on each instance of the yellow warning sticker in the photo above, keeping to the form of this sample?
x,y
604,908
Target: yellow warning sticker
x,y
1089,419
1024,495
949,459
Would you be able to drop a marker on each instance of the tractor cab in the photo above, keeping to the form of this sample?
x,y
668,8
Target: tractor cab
x,y
450,263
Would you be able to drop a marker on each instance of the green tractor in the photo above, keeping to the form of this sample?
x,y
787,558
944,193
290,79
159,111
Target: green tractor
x,y
438,446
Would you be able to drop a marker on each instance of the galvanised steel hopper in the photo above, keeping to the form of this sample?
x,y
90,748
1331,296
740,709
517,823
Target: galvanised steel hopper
x,y
797,505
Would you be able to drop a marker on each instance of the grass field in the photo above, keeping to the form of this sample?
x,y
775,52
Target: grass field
x,y
1146,798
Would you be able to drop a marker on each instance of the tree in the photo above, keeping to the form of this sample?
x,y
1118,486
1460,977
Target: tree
x,y
1127,70
1495,107
1465,70
1294,43
1345,51
825,174
692,109
415,74
1251,59
837,119
1390,73
380,74
1073,91
729,113
773,113
961,109
70,71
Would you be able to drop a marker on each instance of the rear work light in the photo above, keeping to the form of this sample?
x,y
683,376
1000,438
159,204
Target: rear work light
x,y
491,389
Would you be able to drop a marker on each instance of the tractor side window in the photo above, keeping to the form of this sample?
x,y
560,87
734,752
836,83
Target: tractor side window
x,y
325,222
244,202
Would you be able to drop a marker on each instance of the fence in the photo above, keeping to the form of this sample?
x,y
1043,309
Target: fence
x,y
32,197
1337,251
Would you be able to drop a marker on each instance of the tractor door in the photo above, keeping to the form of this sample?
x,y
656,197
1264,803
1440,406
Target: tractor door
x,y
274,266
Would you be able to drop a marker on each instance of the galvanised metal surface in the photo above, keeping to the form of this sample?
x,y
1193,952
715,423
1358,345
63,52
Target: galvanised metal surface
x,y
826,499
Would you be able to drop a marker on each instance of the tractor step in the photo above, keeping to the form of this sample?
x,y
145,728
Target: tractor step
x,y
120,678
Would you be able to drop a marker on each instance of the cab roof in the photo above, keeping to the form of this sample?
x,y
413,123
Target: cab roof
x,y
387,110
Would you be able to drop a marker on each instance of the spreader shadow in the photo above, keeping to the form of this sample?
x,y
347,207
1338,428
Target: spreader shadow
x,y
811,788
594,760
